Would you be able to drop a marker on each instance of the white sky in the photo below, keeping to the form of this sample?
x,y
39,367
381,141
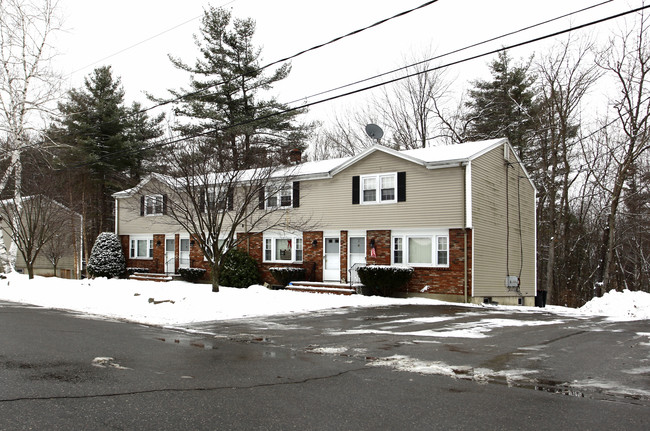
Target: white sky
x,y
97,30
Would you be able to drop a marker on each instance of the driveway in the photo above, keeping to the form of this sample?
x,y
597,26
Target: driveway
x,y
402,367
534,349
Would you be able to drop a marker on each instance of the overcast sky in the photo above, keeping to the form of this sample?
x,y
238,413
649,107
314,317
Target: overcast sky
x,y
103,33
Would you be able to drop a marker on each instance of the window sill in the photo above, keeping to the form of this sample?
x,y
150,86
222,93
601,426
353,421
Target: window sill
x,y
379,203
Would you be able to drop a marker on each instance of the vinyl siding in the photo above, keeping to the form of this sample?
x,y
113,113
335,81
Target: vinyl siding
x,y
130,222
434,198
491,224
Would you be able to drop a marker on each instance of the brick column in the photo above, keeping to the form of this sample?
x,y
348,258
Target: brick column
x,y
344,255
312,257
382,247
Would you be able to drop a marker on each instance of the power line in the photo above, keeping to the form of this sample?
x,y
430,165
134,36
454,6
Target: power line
x,y
437,57
321,45
313,48
370,87
141,42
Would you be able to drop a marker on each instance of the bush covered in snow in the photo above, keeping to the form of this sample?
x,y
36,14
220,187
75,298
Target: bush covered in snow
x,y
384,279
239,269
286,274
191,275
132,270
106,258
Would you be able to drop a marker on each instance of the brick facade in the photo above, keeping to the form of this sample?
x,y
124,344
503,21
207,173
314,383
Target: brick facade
x,y
344,255
446,280
380,239
154,265
425,280
313,255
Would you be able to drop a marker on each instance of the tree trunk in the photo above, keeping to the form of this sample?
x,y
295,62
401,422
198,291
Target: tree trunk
x,y
30,270
214,278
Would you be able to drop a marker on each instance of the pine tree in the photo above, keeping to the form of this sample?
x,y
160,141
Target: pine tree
x,y
504,106
107,258
225,101
105,141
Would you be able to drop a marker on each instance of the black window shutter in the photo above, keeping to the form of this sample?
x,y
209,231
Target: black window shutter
x,y
401,187
202,201
296,194
164,204
356,181
142,205
261,205
230,200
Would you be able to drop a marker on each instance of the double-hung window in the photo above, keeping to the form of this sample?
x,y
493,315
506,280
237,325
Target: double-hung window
x,y
421,249
285,248
141,247
281,198
218,202
379,188
154,205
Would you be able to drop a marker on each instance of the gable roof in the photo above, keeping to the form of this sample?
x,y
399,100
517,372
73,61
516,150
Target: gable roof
x,y
431,158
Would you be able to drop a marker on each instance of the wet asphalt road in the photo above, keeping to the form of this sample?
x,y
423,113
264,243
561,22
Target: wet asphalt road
x,y
406,367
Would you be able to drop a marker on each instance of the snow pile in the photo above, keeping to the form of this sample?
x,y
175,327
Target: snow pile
x,y
178,302
625,305
174,302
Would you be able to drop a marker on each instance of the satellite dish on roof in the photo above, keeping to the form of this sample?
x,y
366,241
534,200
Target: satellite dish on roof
x,y
374,131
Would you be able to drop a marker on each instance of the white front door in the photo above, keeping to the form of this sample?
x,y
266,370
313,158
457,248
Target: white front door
x,y
357,254
184,253
331,259
170,255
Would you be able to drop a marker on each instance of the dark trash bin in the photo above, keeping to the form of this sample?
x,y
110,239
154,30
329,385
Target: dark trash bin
x,y
540,299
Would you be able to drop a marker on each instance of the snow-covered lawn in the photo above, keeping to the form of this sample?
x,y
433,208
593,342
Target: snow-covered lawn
x,y
178,302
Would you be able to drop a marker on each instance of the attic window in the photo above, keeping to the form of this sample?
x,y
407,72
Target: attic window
x,y
286,196
154,205
380,188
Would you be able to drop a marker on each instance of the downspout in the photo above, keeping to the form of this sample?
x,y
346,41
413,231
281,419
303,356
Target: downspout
x,y
117,226
81,247
465,230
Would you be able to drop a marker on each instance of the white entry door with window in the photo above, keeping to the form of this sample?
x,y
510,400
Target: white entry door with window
x,y
357,254
331,259
170,255
184,253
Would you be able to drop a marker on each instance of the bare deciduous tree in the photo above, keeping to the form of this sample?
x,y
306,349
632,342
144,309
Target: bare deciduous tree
x,y
221,206
27,83
32,222
627,60
410,108
345,137
564,76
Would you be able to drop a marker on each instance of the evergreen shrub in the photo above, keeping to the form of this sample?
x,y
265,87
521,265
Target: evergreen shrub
x,y
384,279
191,275
132,270
286,274
106,258
239,269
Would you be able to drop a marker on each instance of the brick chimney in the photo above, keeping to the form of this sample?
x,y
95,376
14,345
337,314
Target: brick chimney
x,y
295,156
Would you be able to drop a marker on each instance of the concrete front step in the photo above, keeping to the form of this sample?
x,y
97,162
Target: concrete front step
x,y
144,276
321,287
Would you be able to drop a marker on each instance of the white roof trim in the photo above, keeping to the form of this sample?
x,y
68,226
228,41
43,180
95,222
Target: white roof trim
x,y
371,150
133,190
326,169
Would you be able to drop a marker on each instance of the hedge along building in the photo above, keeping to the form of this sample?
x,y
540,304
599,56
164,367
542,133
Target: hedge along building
x,y
463,216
